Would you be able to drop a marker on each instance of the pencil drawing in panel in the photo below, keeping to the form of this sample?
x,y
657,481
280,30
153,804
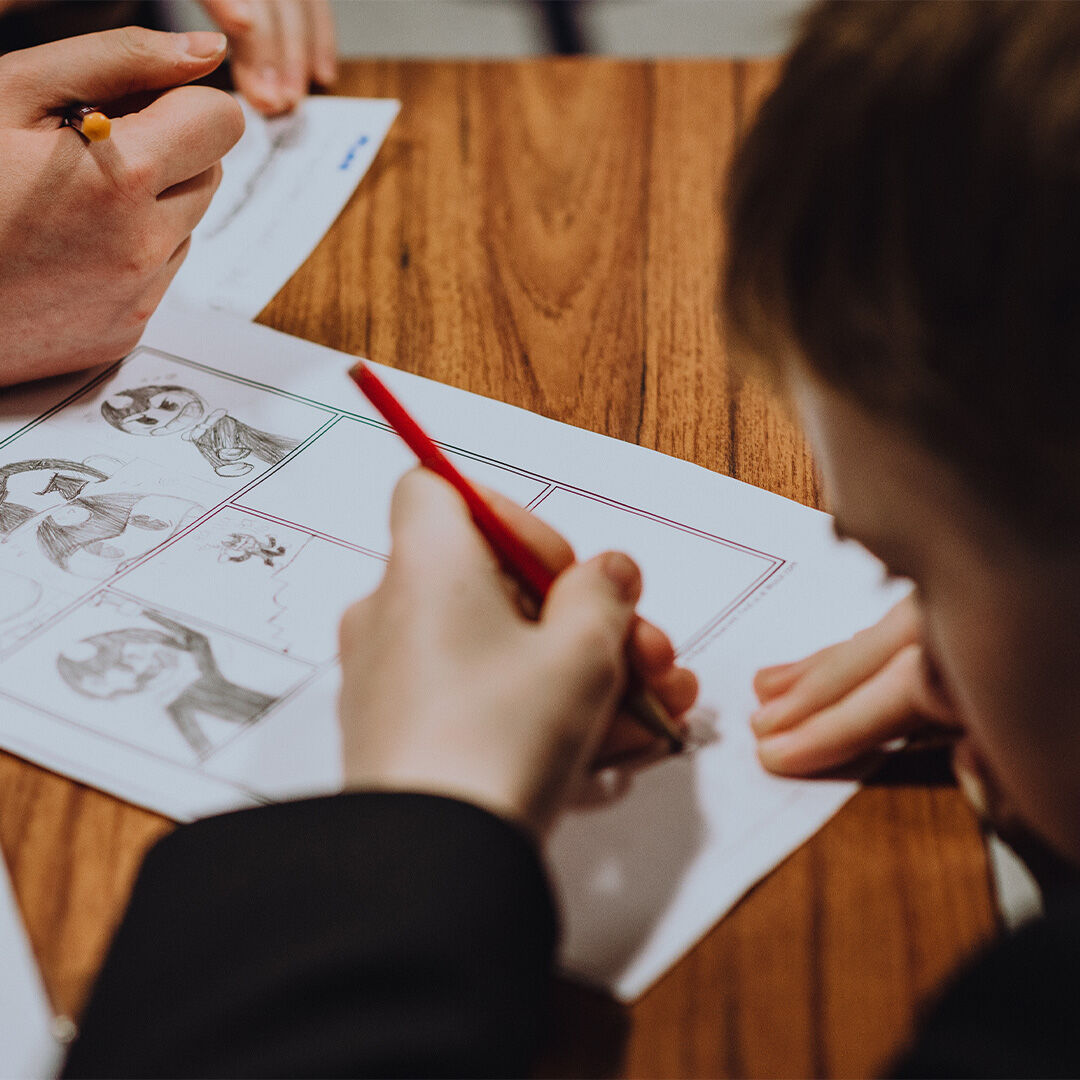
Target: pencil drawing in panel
x,y
226,443
171,664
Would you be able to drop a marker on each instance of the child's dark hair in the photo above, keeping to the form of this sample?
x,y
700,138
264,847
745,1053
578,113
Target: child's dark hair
x,y
904,218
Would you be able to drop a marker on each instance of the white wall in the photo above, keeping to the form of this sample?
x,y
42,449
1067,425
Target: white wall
x,y
514,27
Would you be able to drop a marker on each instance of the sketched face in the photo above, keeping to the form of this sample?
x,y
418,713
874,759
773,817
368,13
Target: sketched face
x,y
167,412
128,667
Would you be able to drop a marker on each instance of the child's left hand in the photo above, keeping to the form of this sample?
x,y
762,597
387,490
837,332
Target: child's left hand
x,y
839,703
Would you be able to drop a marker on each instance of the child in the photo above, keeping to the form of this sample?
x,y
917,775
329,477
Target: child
x,y
903,261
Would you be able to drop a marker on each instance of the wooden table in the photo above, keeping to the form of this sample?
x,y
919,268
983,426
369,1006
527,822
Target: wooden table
x,y
548,233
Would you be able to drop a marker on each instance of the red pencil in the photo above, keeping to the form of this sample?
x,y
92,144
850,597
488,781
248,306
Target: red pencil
x,y
516,557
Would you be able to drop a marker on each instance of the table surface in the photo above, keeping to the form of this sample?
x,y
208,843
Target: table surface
x,y
547,232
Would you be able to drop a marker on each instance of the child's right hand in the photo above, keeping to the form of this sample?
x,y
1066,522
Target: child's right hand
x,y
845,700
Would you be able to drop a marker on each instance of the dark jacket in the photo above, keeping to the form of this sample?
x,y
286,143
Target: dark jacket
x,y
411,935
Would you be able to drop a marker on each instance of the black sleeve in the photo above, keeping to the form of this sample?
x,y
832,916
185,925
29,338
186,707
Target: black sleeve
x,y
365,934
1014,1012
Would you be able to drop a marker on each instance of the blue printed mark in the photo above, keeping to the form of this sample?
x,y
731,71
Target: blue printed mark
x,y
348,159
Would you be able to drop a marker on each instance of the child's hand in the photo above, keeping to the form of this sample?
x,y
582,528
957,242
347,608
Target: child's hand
x,y
835,705
448,687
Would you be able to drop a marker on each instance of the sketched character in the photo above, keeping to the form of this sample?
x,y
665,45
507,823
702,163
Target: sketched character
x,y
175,666
223,440
239,547
98,535
27,488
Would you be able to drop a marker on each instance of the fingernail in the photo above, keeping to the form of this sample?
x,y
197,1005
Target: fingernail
x,y
202,44
622,571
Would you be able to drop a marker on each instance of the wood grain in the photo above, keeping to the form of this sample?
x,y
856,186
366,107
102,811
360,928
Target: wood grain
x,y
548,233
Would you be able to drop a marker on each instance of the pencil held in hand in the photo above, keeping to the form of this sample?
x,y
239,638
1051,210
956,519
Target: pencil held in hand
x,y
89,121
516,557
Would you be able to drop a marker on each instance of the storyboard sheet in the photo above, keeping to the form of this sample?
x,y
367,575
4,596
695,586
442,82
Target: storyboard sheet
x,y
180,534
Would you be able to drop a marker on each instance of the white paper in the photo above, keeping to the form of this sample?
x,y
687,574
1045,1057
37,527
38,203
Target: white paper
x,y
181,652
27,1048
283,184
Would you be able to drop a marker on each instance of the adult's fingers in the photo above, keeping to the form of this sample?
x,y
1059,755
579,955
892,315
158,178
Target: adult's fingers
x,y
256,60
177,136
881,708
827,675
233,16
103,67
323,42
295,58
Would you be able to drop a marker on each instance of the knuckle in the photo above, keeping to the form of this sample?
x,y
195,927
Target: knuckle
x,y
140,313
143,258
137,45
136,180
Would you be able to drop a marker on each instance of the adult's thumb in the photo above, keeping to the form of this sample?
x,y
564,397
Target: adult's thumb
x,y
99,68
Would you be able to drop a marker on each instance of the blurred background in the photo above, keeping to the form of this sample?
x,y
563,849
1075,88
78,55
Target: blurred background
x,y
494,28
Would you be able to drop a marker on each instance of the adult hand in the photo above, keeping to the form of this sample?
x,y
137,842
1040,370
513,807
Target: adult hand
x,y
278,48
449,688
843,701
92,234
